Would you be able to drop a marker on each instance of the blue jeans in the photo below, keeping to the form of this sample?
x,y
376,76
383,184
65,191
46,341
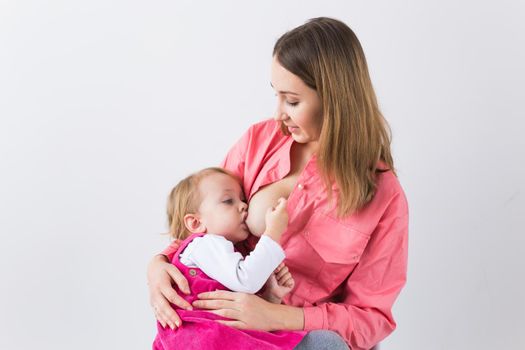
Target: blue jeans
x,y
322,340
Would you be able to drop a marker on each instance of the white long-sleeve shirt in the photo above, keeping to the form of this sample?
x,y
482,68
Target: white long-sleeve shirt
x,y
216,257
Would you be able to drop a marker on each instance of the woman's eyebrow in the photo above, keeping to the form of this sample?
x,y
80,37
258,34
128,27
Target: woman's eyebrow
x,y
285,92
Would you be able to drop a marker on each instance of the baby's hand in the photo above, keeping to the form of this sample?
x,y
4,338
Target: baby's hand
x,y
279,284
276,220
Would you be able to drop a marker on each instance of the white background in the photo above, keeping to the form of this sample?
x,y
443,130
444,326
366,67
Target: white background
x,y
105,105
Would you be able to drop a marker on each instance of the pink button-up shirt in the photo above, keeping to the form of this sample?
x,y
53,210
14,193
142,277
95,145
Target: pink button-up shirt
x,y
348,272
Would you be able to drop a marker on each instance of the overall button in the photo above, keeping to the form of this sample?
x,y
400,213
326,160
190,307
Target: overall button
x,y
300,186
193,272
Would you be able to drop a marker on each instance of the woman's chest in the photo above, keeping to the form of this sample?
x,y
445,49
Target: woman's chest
x,y
273,183
265,198
321,256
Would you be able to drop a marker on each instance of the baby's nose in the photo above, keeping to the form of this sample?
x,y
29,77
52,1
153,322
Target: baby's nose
x,y
243,206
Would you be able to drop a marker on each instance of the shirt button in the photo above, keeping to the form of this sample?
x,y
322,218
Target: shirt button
x,y
192,272
300,186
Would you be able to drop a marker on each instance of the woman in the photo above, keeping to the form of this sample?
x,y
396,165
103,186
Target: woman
x,y
328,151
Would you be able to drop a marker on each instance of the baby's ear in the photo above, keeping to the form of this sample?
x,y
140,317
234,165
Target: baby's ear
x,y
193,223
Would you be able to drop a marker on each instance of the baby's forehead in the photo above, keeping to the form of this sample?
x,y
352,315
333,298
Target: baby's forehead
x,y
220,182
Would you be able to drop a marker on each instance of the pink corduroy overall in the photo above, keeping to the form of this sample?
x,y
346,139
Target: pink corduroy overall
x,y
199,329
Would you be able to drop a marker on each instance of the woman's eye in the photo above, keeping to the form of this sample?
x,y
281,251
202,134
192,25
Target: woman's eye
x,y
292,104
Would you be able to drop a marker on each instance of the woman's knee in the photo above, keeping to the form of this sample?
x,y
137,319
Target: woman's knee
x,y
321,340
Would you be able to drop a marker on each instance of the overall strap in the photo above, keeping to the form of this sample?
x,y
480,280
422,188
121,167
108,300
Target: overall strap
x,y
185,243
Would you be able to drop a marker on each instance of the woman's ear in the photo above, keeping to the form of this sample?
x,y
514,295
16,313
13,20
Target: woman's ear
x,y
193,223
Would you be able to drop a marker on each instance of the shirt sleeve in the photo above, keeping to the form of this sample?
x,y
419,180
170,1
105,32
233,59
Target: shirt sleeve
x,y
235,159
364,315
215,256
170,250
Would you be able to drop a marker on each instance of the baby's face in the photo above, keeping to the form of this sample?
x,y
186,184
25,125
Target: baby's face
x,y
223,208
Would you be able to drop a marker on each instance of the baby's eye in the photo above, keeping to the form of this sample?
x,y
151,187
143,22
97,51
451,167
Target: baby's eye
x,y
228,201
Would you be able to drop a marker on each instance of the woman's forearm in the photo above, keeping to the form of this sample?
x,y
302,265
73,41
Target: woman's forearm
x,y
161,257
287,318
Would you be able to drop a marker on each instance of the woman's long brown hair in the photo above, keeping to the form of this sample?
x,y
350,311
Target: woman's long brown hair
x,y
326,54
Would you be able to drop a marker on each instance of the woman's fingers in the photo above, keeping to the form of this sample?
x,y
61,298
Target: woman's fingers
x,y
215,304
219,294
219,299
179,278
165,320
164,312
171,295
234,324
159,318
228,313
160,276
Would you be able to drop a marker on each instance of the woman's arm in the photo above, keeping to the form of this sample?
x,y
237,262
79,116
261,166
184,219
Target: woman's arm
x,y
160,275
249,311
363,317
235,160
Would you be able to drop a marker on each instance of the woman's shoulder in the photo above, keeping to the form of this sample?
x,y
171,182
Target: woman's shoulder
x,y
256,133
260,137
389,192
265,127
388,180
389,202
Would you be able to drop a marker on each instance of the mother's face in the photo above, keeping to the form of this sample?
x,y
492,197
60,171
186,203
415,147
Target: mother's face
x,y
298,106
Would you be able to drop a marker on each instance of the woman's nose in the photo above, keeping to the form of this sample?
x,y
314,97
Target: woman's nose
x,y
280,115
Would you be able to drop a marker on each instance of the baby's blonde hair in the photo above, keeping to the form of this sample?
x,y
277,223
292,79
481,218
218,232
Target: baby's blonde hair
x,y
185,198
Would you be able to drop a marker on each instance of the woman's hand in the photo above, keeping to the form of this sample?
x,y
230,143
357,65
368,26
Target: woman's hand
x,y
248,311
161,293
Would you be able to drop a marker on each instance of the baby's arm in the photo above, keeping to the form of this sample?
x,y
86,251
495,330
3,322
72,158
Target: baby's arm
x,y
216,257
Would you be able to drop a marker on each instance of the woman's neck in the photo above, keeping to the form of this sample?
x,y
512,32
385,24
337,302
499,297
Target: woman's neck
x,y
300,154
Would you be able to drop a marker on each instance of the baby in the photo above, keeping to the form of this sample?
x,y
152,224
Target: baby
x,y
207,210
